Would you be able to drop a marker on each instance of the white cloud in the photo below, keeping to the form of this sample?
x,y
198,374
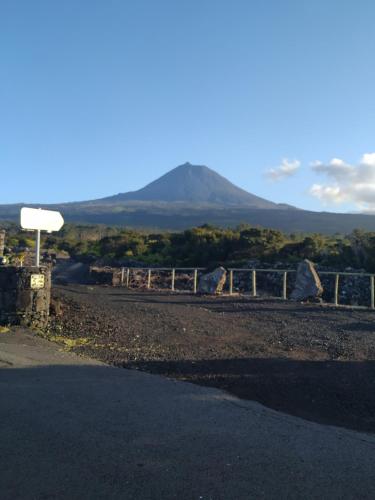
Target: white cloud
x,y
369,159
328,194
283,171
336,168
351,183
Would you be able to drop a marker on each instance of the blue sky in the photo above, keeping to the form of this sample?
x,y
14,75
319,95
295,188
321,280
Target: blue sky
x,y
101,97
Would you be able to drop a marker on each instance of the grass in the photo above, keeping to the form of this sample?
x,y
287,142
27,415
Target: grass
x,y
69,343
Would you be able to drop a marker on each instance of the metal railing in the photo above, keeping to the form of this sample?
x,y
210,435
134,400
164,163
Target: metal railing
x,y
126,274
254,278
285,273
361,275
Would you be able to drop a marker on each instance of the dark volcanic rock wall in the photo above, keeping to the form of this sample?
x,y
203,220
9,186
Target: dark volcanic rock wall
x,y
25,296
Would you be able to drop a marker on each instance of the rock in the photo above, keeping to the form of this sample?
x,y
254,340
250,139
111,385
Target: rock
x,y
308,283
213,282
55,307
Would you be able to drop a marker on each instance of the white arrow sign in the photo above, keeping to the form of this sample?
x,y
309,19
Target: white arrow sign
x,y
40,220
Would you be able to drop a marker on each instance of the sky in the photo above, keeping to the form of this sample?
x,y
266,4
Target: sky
x,y
101,97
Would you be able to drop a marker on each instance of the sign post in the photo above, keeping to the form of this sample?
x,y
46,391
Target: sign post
x,y
36,219
37,248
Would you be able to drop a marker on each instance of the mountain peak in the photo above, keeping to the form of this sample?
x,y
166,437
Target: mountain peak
x,y
190,167
194,184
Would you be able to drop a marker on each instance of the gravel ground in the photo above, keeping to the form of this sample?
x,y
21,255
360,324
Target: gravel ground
x,y
313,361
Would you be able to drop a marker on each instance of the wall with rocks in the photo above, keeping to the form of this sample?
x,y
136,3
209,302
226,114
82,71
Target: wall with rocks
x,y
25,295
105,275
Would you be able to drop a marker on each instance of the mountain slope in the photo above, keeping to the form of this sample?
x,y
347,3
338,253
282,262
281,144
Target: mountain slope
x,y
191,195
195,184
177,217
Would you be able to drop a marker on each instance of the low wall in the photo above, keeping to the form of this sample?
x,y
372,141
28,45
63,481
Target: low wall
x,y
106,275
25,295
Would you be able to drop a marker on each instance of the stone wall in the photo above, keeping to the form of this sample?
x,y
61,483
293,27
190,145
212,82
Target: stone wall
x,y
25,295
105,275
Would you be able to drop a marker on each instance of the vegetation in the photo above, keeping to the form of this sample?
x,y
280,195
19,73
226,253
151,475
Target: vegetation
x,y
205,246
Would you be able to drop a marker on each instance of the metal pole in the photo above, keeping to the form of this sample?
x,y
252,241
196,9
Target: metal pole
x,y
195,280
149,278
122,275
254,282
127,277
284,285
337,289
37,248
372,292
173,278
231,282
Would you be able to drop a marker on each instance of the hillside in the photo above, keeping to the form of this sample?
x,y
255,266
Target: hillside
x,y
178,217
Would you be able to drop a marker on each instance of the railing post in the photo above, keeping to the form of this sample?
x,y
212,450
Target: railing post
x,y
127,277
195,280
254,282
122,276
372,292
173,279
230,281
337,289
149,278
284,284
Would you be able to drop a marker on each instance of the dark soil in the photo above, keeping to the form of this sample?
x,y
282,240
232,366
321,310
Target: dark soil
x,y
313,361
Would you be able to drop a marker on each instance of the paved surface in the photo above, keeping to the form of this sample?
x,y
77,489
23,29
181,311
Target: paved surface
x,y
307,360
74,428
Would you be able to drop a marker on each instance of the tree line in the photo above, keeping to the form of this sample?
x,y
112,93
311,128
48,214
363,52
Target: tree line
x,y
205,246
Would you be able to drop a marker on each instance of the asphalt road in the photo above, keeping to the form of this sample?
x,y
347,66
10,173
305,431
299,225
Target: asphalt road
x,y
75,428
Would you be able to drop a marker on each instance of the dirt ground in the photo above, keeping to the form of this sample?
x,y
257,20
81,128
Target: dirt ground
x,y
313,361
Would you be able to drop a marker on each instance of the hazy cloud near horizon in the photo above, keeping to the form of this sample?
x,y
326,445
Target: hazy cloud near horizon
x,y
286,169
350,183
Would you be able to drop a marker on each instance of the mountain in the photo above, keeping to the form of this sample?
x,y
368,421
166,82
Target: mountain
x,y
192,195
192,184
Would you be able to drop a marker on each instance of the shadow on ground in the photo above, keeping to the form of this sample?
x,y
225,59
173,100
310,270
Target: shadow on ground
x,y
329,392
94,432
